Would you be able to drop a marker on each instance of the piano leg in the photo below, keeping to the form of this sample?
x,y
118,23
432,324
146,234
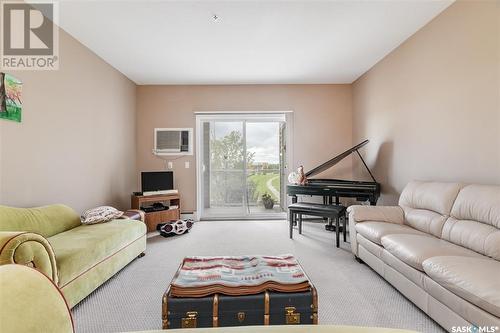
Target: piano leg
x,y
300,224
291,218
329,226
344,228
294,200
337,234
325,202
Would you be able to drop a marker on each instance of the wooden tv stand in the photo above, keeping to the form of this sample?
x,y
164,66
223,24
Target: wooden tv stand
x,y
162,216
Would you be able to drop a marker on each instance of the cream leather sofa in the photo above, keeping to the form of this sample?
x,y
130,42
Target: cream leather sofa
x,y
440,248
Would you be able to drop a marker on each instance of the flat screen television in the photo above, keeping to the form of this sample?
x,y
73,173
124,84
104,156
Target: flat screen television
x,y
153,181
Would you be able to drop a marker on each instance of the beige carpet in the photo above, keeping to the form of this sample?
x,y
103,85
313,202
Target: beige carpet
x,y
349,293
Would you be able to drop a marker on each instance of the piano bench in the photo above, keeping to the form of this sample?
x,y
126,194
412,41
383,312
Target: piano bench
x,y
334,212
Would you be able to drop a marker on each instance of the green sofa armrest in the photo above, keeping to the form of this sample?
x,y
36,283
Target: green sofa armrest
x,y
29,249
30,302
134,214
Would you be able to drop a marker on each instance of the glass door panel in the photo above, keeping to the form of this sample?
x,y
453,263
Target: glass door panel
x,y
224,169
283,166
263,167
241,163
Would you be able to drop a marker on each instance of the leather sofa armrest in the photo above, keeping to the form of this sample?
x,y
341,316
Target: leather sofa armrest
x,y
29,249
389,214
134,214
360,214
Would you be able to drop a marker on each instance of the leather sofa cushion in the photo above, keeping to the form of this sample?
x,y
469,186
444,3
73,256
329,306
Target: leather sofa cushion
x,y
474,222
370,246
477,236
415,249
476,280
425,220
409,272
435,196
442,299
374,231
478,203
83,247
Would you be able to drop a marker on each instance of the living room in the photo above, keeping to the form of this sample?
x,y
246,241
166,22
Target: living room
x,y
355,143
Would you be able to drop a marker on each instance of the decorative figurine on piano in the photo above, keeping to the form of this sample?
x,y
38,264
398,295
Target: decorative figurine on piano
x,y
293,178
297,178
302,176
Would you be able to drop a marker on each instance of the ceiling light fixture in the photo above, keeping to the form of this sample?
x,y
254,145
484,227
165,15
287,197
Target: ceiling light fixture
x,y
216,18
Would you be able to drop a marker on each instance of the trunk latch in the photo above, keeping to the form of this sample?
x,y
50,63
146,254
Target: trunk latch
x,y
290,316
190,321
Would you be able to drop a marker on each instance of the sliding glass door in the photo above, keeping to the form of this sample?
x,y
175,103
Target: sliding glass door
x,y
225,168
241,165
263,167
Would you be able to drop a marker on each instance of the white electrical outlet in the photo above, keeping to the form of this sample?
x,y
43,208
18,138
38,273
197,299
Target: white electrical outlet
x,y
186,164
170,165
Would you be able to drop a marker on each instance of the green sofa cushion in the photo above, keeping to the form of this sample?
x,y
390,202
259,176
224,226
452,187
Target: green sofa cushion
x,y
46,221
79,249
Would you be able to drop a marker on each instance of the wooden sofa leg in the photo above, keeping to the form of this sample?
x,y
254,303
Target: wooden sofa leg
x,y
358,259
141,255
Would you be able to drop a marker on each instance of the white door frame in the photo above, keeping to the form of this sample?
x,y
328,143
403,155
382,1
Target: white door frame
x,y
286,116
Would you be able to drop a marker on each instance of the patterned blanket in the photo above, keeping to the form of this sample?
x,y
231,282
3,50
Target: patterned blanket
x,y
242,275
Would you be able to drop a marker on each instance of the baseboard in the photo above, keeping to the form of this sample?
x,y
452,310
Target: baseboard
x,y
189,215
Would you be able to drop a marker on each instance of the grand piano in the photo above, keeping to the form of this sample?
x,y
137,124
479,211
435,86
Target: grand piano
x,y
334,189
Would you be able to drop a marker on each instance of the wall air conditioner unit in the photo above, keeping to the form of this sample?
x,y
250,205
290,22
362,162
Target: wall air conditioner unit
x,y
173,141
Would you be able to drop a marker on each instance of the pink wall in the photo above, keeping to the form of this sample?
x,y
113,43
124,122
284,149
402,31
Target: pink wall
x,y
322,121
431,107
76,142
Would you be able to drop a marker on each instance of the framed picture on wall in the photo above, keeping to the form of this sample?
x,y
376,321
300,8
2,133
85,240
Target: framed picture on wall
x,y
10,97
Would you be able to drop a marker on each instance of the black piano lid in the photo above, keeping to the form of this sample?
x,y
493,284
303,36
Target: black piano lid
x,y
338,158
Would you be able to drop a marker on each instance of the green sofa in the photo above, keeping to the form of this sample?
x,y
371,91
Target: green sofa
x,y
30,304
77,258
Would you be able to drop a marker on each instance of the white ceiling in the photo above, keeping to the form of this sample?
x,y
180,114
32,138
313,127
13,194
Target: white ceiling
x,y
253,42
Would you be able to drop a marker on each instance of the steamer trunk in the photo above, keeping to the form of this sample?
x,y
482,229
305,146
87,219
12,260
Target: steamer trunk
x,y
269,308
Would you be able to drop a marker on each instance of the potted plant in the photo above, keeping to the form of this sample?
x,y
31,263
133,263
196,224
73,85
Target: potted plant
x,y
268,201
